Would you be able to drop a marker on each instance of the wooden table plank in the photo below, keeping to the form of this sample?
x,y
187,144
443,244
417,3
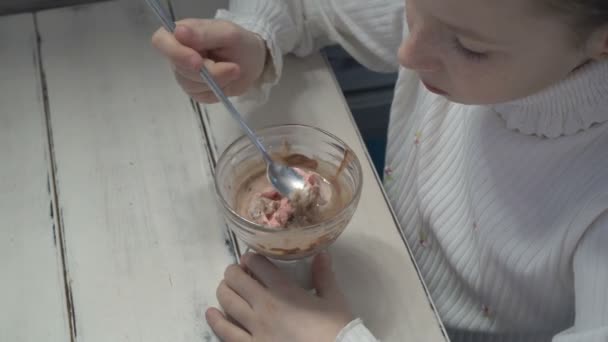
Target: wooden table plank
x,y
32,288
197,9
15,6
145,244
371,258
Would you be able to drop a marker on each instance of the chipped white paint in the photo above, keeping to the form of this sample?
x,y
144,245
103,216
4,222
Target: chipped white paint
x,y
32,289
144,241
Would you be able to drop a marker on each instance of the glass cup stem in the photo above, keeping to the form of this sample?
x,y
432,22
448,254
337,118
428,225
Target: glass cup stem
x,y
299,270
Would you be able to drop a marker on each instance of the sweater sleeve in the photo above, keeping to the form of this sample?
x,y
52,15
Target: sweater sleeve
x,y
355,331
370,31
590,266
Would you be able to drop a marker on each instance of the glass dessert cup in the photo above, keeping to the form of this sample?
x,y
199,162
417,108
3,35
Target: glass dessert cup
x,y
299,146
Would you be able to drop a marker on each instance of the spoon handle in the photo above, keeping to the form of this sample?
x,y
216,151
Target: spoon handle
x,y
169,25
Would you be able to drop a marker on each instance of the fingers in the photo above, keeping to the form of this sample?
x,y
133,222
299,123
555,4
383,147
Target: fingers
x,y
265,271
206,97
243,284
323,277
224,329
222,72
204,35
196,43
179,54
186,54
190,86
200,91
235,306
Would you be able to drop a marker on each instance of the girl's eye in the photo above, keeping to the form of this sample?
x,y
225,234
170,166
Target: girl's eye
x,y
468,53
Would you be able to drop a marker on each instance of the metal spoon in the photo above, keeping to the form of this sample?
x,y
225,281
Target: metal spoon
x,y
282,177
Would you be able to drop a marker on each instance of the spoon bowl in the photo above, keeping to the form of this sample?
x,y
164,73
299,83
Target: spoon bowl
x,y
284,178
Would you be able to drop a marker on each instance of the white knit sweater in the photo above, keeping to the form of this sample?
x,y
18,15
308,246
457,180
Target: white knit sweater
x,y
504,207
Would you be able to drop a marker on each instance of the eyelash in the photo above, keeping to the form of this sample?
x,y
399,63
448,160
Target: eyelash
x,y
470,54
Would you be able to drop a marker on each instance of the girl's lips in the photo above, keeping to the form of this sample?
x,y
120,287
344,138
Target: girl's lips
x,y
434,89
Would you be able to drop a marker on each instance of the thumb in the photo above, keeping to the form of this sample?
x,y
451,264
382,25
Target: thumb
x,y
187,36
201,35
323,277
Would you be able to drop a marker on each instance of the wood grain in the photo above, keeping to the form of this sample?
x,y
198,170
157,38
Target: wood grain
x,y
15,6
145,243
32,292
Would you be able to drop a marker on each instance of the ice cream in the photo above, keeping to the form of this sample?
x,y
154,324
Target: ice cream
x,y
322,197
269,208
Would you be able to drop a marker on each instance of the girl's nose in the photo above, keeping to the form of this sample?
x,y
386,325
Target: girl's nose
x,y
416,53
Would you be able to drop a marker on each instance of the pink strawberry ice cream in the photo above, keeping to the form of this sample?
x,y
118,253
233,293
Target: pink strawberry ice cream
x,y
271,209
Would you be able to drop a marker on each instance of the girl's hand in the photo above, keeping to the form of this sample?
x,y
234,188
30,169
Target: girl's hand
x,y
272,308
234,56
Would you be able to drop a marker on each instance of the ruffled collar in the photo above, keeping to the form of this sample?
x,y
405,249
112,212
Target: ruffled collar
x,y
566,108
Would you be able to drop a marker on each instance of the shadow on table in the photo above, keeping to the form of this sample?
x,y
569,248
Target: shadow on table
x,y
367,284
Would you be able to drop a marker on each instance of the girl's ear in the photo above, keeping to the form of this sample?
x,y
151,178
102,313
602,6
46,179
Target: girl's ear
x,y
598,44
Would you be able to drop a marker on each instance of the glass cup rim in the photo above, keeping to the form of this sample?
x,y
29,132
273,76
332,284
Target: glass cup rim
x,y
259,227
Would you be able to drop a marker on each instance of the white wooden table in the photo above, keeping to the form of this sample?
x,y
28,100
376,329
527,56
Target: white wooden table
x,y
110,230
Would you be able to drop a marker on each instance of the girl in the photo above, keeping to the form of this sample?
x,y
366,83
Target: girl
x,y
497,154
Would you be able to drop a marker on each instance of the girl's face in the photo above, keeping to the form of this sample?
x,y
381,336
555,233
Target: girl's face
x,y
487,51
